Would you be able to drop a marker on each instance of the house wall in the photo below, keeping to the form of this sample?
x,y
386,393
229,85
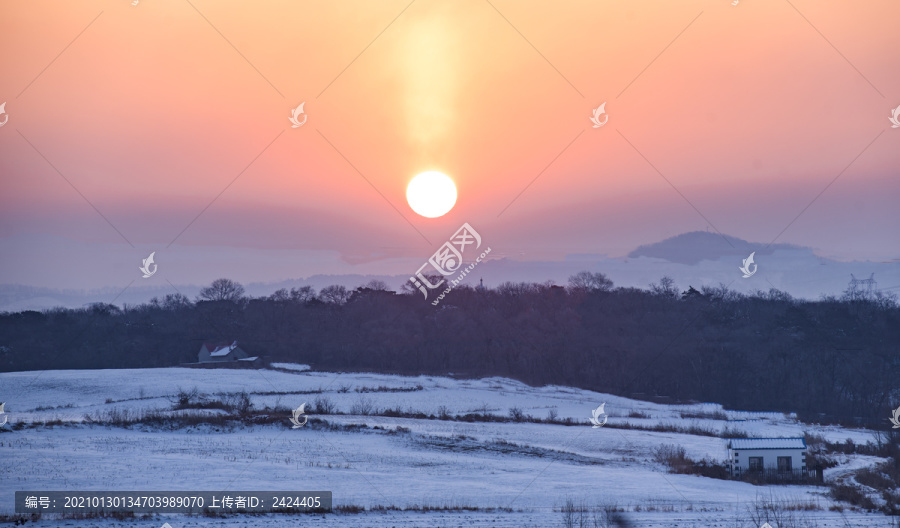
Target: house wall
x,y
236,354
741,463
203,355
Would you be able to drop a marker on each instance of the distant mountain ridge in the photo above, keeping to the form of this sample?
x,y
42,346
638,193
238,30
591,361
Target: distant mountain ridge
x,y
695,246
692,259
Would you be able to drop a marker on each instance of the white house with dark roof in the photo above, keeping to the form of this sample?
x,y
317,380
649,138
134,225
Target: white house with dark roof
x,y
216,353
780,455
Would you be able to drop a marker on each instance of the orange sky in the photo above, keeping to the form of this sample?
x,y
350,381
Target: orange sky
x,y
749,114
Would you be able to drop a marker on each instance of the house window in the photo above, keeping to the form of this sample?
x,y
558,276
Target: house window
x,y
784,463
755,463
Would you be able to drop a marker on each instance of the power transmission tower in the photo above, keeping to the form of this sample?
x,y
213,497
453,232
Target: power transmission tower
x,y
862,286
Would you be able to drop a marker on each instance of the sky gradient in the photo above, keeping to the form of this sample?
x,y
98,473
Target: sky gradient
x,y
164,126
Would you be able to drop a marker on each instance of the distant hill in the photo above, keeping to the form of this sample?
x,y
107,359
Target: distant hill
x,y
691,248
692,259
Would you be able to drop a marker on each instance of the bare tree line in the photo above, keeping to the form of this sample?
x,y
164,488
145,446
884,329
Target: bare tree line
x,y
831,359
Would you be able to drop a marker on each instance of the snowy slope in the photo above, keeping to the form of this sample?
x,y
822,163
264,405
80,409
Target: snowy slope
x,y
527,467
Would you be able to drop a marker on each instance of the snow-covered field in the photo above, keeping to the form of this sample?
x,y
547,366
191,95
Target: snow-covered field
x,y
526,470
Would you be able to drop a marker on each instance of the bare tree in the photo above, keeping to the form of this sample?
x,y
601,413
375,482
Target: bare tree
x,y
721,293
174,301
303,294
300,295
879,298
518,288
223,290
665,287
334,294
377,285
587,281
280,295
768,509
774,294
433,278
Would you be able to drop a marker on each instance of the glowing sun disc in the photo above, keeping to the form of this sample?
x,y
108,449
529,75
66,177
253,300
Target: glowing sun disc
x,y
431,194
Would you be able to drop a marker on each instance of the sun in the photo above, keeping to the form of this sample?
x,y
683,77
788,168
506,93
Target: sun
x,y
431,194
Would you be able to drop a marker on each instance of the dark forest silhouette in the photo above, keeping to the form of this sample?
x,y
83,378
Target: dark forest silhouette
x,y
831,359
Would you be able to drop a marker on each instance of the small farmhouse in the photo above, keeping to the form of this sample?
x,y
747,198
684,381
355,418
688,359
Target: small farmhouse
x,y
781,456
215,353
